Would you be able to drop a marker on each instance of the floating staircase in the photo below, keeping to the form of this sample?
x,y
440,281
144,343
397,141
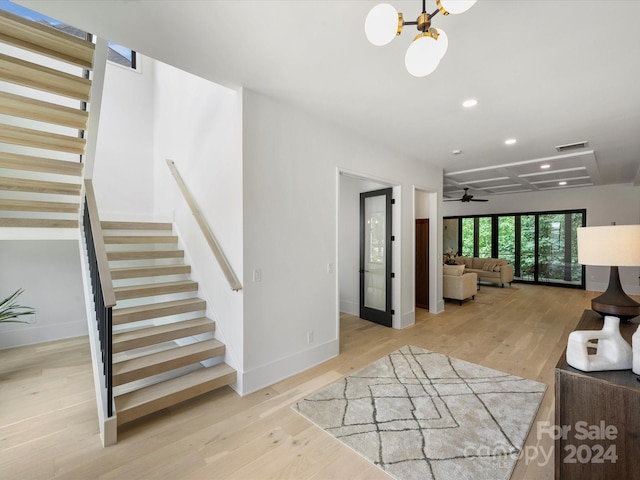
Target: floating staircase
x,y
163,346
44,93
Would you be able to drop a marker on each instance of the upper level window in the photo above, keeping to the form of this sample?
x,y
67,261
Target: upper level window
x,y
116,54
122,55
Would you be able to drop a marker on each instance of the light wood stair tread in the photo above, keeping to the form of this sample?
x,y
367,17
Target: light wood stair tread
x,y
30,108
150,271
139,239
145,336
115,225
29,137
151,289
16,161
145,255
150,399
35,37
38,206
37,223
137,368
39,186
21,72
157,310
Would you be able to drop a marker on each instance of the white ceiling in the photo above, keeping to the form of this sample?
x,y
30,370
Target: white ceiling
x,y
547,73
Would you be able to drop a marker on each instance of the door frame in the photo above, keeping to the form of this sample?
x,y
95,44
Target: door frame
x,y
347,242
378,316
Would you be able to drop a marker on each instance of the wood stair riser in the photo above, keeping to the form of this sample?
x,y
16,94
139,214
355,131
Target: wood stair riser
x,y
147,312
130,408
145,337
140,291
139,368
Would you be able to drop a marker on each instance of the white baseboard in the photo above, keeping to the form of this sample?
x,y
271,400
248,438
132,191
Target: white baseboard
x,y
266,375
407,319
352,308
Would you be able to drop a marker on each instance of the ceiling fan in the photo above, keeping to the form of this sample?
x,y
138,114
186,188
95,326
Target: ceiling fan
x,y
467,198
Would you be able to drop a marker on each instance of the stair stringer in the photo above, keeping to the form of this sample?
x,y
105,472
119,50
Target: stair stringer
x,y
108,425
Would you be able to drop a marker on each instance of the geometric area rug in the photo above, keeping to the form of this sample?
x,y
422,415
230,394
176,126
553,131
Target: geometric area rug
x,y
421,415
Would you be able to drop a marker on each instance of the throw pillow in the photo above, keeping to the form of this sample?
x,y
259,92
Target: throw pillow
x,y
488,266
456,270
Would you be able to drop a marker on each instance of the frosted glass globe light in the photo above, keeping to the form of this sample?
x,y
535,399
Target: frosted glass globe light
x,y
455,6
381,25
442,42
422,56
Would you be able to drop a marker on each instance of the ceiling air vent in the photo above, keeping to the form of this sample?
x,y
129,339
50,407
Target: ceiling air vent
x,y
571,146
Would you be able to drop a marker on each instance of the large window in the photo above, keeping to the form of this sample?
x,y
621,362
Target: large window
x,y
541,246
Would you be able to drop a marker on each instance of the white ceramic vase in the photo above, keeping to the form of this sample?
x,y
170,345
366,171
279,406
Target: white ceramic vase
x,y
635,344
612,351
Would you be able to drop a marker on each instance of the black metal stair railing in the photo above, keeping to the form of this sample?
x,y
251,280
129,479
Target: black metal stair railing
x,y
103,296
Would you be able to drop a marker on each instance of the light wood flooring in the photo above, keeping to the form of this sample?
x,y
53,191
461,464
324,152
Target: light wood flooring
x,y
48,426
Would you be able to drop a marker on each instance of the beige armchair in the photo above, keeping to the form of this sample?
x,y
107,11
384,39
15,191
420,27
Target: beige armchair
x,y
458,285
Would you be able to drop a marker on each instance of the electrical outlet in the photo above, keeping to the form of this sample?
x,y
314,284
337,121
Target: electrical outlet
x,y
329,267
310,336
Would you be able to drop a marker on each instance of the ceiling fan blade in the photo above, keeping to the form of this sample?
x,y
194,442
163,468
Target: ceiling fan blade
x,y
479,200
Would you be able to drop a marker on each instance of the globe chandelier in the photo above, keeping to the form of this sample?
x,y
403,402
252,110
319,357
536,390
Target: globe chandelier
x,y
423,56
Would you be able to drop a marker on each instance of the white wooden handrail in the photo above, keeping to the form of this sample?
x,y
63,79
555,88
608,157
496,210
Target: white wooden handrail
x,y
234,283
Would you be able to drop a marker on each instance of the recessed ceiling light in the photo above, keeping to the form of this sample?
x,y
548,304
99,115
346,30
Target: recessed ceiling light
x,y
562,183
510,141
545,166
456,151
472,102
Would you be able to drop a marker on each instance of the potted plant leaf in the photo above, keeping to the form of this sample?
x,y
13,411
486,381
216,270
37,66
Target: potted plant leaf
x,y
11,312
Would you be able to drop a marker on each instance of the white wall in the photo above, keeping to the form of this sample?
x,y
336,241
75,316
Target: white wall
x,y
291,164
422,204
122,174
197,124
604,204
49,273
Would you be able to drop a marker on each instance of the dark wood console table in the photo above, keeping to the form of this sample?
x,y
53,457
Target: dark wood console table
x,y
597,424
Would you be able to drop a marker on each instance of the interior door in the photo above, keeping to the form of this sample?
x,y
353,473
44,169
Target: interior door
x,y
422,263
375,256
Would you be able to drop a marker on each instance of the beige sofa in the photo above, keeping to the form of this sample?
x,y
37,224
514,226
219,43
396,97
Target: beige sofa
x,y
457,284
493,270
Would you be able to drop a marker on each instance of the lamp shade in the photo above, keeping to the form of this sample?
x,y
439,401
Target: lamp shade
x,y
423,56
611,245
454,6
381,25
442,42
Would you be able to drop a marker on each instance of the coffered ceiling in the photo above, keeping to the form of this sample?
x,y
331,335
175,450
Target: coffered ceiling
x,y
546,73
576,169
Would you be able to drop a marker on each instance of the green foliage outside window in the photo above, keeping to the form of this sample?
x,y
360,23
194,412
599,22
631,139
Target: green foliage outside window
x,y
555,263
